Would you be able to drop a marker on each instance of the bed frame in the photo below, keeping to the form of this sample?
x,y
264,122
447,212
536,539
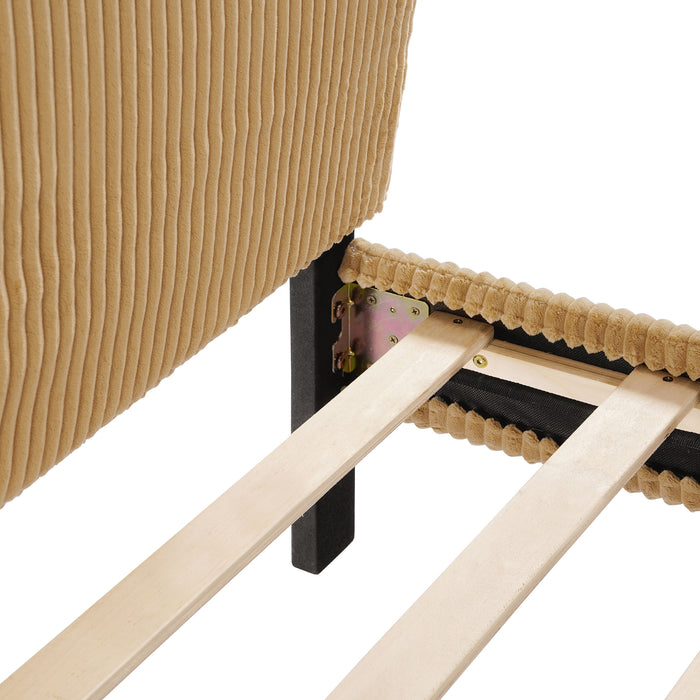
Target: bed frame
x,y
594,421
307,483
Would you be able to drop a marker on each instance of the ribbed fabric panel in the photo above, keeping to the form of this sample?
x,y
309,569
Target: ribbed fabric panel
x,y
618,333
461,424
163,167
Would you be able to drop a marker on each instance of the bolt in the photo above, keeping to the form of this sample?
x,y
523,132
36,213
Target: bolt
x,y
480,361
392,339
371,300
668,379
339,310
392,309
458,321
415,311
346,362
350,362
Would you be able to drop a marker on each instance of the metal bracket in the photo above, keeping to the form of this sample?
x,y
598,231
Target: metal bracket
x,y
372,322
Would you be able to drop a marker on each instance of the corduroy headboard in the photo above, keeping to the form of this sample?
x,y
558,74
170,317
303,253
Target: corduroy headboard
x,y
163,167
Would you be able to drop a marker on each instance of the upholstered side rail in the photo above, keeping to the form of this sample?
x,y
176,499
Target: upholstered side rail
x,y
163,167
619,334
462,424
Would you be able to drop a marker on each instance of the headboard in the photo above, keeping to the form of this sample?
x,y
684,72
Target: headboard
x,y
164,166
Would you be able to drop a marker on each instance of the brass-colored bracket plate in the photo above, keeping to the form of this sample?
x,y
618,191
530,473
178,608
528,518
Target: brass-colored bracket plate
x,y
371,323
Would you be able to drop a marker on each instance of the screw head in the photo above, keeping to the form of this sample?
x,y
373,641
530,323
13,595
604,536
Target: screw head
x,y
415,311
480,361
668,379
392,309
458,321
392,339
371,300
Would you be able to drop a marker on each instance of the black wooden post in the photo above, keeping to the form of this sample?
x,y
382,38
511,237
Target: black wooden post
x,y
328,527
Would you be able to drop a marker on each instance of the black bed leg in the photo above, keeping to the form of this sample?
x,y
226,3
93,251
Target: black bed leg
x,y
328,527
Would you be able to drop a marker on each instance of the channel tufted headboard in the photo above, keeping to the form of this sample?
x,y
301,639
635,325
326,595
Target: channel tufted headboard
x,y
164,166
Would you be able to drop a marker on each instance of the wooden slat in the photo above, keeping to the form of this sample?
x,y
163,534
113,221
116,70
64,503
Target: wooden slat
x,y
559,375
109,640
688,687
438,637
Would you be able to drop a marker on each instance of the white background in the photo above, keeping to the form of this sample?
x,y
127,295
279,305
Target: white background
x,y
555,143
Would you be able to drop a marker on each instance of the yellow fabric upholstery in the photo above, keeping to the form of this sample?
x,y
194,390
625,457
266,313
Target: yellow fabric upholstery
x,y
619,333
165,165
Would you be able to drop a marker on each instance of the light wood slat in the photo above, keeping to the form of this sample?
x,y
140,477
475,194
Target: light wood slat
x,y
688,686
438,637
559,375
109,640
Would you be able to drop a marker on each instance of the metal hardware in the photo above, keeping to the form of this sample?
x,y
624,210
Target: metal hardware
x,y
340,309
371,322
480,361
345,362
458,321
668,379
